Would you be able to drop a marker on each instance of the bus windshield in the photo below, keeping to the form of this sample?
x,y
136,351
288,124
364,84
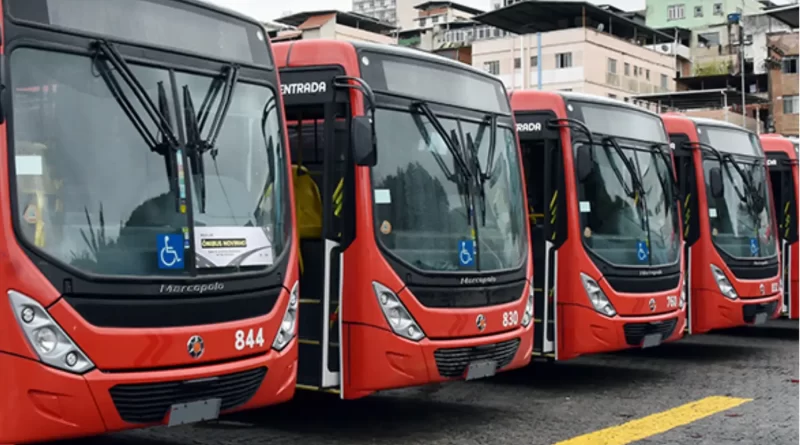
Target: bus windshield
x,y
424,214
629,214
741,220
93,194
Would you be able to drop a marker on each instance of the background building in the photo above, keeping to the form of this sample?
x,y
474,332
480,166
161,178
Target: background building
x,y
399,13
333,24
582,47
783,82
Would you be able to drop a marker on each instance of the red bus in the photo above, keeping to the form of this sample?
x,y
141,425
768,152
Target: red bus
x,y
411,216
733,268
147,280
604,221
782,154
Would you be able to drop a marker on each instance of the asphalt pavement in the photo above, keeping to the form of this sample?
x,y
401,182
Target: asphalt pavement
x,y
743,381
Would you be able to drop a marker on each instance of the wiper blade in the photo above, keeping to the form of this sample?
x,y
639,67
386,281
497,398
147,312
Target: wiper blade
x,y
483,174
636,181
673,181
196,145
168,145
449,142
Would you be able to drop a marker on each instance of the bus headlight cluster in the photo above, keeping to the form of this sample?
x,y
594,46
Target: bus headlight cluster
x,y
528,316
398,317
288,329
723,283
597,297
49,341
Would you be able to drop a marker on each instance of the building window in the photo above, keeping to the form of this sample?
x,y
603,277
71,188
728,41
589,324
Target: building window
x,y
612,96
647,74
708,39
789,65
627,69
517,63
563,60
698,11
612,65
534,61
635,71
492,67
664,81
496,32
718,9
421,22
435,20
675,12
791,104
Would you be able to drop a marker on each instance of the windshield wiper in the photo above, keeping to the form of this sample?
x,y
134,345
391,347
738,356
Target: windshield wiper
x,y
448,141
196,145
483,174
168,143
636,181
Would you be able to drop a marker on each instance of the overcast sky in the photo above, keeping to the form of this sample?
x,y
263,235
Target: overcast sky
x,y
272,9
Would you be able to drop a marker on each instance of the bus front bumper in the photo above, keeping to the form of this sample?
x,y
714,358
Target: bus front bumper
x,y
391,362
41,403
593,333
713,311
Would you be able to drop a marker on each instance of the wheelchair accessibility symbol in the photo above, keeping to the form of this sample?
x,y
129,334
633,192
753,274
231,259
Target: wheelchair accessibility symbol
x,y
466,252
642,252
754,247
170,251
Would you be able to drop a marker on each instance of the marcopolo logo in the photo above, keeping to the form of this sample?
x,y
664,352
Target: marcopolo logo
x,y
478,280
529,127
191,288
289,89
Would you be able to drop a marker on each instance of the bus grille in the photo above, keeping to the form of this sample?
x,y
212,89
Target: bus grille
x,y
749,311
635,332
453,362
150,402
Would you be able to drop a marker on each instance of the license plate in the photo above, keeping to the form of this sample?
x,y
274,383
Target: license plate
x,y
651,340
481,369
192,412
761,318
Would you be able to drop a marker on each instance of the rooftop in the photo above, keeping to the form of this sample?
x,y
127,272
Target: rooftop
x,y
452,5
689,100
528,17
788,14
309,20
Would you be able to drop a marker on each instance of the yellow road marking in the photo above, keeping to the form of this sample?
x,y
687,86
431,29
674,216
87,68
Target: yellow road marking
x,y
657,423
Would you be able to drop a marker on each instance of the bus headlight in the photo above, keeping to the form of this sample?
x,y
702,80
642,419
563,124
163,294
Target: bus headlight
x,y
723,283
398,317
49,341
287,330
597,296
528,316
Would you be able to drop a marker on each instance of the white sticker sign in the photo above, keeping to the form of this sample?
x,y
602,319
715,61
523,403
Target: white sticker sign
x,y
585,207
28,165
232,247
712,213
383,196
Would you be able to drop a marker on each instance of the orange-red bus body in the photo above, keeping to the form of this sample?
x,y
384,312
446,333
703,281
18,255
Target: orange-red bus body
x,y
581,329
775,143
40,403
377,359
709,309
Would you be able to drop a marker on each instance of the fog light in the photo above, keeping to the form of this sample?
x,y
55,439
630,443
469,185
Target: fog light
x,y
71,359
27,314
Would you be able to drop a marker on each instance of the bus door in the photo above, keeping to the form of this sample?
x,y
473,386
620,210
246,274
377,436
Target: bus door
x,y
782,180
318,119
544,174
687,186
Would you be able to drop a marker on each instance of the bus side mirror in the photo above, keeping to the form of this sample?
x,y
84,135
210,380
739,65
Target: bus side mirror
x,y
583,163
715,182
363,140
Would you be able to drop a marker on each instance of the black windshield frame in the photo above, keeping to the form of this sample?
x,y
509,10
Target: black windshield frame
x,y
394,102
57,271
730,156
627,143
